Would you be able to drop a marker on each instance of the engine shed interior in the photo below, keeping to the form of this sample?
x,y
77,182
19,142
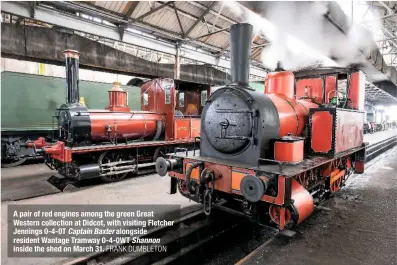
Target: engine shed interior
x,y
199,132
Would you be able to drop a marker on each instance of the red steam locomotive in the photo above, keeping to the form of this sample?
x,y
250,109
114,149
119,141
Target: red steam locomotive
x,y
111,143
272,156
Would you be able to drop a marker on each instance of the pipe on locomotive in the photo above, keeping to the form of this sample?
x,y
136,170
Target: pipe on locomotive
x,y
240,53
72,59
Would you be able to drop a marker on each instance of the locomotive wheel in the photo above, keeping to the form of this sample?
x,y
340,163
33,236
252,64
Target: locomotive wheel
x,y
160,152
6,164
274,212
109,157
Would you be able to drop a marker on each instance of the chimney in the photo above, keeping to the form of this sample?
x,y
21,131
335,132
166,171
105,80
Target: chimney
x,y
72,76
240,52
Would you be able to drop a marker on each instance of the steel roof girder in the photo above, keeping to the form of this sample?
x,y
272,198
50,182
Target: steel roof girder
x,y
87,26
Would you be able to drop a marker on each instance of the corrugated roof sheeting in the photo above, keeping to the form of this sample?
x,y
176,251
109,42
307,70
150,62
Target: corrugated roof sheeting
x,y
165,19
256,54
226,12
114,6
189,8
142,8
219,40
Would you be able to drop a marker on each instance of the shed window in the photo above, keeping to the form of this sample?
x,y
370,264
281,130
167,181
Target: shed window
x,y
181,99
145,99
203,97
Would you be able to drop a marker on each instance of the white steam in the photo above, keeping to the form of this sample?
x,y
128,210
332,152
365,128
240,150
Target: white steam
x,y
300,36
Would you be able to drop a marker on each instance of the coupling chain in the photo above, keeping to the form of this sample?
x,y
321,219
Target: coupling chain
x,y
209,177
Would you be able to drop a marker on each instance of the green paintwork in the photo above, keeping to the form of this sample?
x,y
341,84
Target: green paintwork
x,y
28,102
258,86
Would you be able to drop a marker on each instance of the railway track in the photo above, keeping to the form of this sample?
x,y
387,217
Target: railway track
x,y
189,233
372,152
376,149
195,234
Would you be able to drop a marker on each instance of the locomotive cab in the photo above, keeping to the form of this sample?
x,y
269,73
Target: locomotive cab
x,y
190,101
180,102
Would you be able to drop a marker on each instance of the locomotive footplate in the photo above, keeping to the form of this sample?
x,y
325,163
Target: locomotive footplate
x,y
288,195
284,169
131,144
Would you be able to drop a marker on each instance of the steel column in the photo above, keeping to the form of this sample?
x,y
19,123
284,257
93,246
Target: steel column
x,y
177,69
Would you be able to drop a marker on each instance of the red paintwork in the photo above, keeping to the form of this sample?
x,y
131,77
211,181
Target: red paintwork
x,y
293,117
59,152
191,104
155,89
118,122
336,179
330,84
280,215
222,173
349,130
359,167
321,141
314,88
123,125
357,90
291,152
293,114
186,128
39,143
118,99
348,133
195,126
303,201
280,83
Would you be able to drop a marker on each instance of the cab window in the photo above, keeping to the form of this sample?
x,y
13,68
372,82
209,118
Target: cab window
x,y
145,99
181,99
203,97
167,91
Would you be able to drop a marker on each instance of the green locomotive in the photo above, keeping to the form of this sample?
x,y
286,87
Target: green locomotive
x,y
28,103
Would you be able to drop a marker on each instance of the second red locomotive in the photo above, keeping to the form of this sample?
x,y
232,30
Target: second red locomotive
x,y
272,156
111,143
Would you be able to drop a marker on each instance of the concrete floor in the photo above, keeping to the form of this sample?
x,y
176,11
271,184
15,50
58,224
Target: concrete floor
x,y
150,189
379,136
359,229
31,180
26,181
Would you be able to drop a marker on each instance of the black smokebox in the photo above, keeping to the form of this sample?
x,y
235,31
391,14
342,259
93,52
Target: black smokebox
x,y
240,52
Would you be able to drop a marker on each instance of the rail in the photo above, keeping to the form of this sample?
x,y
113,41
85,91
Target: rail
x,y
372,151
180,239
376,149
94,257
193,226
